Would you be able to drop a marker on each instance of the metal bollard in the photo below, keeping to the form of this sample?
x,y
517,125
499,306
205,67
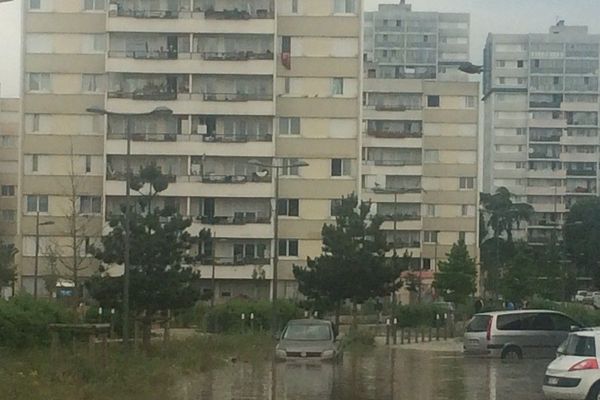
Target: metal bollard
x,y
395,330
387,332
416,335
401,335
409,339
422,335
430,333
445,332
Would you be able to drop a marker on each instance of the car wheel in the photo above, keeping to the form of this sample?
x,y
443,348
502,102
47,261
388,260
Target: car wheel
x,y
594,393
512,353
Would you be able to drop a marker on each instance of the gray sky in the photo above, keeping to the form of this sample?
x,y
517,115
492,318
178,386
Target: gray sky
x,y
498,16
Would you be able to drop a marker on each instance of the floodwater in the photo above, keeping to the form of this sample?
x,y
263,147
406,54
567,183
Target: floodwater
x,y
383,374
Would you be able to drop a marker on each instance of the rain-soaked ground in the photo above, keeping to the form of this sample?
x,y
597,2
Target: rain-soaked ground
x,y
381,374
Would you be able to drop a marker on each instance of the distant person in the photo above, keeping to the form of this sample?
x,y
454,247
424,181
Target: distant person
x,y
478,306
510,305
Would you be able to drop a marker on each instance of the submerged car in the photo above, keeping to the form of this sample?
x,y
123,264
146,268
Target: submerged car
x,y
308,339
517,334
575,374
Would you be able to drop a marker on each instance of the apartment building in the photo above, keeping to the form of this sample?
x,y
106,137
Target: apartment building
x,y
273,82
541,121
420,132
9,174
62,169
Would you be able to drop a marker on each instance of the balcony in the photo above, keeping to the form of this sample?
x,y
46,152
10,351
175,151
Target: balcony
x,y
394,134
581,189
225,138
236,14
401,217
150,92
241,219
392,163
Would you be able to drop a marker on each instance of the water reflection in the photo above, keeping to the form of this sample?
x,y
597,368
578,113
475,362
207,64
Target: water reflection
x,y
381,374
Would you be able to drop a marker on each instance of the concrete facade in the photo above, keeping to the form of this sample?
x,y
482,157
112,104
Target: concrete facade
x,y
541,121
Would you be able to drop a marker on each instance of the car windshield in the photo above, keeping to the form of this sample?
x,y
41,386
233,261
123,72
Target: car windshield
x,y
307,332
576,345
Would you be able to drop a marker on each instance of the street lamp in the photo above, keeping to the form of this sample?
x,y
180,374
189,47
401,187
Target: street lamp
x,y
126,267
37,249
276,166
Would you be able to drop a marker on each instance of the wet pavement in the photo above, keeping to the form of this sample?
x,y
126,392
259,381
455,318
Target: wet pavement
x,y
381,374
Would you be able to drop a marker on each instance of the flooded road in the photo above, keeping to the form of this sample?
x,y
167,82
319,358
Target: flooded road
x,y
381,374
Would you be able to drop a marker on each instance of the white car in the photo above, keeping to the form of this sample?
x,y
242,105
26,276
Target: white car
x,y
574,374
581,295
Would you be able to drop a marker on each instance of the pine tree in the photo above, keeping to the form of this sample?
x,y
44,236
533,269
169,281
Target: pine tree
x,y
456,279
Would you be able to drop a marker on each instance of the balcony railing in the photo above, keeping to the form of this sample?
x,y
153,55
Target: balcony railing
x,y
149,93
544,104
122,176
579,172
393,107
401,217
581,189
235,261
145,55
404,245
238,14
394,134
240,97
235,55
137,13
543,155
236,220
211,179
224,138
395,163
555,138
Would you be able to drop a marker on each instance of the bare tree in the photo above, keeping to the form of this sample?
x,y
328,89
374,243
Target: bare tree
x,y
70,257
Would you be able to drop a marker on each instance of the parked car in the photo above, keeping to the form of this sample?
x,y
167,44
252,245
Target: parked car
x,y
517,334
308,339
583,296
574,374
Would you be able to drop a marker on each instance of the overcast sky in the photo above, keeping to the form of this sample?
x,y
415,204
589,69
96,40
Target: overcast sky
x,y
498,16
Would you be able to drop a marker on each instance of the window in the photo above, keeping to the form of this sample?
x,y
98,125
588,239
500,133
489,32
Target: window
x,y
467,183
91,5
37,203
427,264
344,6
431,156
35,4
341,167
501,63
35,126
99,43
289,126
37,43
433,101
430,236
8,142
289,207
92,83
520,64
337,86
38,82
90,204
470,101
431,210
8,190
88,164
34,163
286,85
294,6
335,207
462,236
94,44
290,167
464,210
288,248
9,215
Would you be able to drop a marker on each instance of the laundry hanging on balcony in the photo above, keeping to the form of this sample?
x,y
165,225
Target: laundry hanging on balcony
x,y
286,52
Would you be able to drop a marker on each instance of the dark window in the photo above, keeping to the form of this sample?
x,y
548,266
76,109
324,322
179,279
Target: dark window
x,y
336,167
433,101
427,263
289,207
581,346
556,80
510,322
479,323
563,323
335,207
288,248
286,44
542,322
520,64
8,190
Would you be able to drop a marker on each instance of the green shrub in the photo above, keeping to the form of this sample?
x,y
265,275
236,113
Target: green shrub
x,y
358,338
227,317
417,315
24,321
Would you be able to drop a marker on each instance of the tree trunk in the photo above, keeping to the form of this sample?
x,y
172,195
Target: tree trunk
x,y
354,315
338,310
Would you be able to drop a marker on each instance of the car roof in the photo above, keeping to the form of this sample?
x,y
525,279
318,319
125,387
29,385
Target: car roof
x,y
526,311
309,322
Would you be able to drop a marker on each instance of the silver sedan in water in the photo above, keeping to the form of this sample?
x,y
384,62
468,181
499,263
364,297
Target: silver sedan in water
x,y
308,339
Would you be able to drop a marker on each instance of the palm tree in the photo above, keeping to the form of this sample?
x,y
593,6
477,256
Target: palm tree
x,y
503,214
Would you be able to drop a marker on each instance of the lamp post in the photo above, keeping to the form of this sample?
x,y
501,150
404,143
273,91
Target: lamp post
x,y
126,261
276,166
37,249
